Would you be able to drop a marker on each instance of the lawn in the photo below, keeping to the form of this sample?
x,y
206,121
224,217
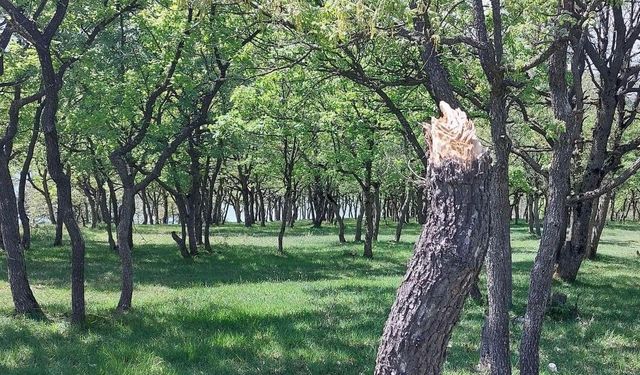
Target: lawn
x,y
316,310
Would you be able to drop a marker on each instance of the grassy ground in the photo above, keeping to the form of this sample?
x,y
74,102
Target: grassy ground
x,y
317,310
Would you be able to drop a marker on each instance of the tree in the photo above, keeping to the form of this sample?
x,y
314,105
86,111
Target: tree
x,y
447,257
555,220
23,298
52,83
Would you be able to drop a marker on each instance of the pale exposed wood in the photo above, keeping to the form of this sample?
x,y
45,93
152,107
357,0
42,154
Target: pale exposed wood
x,y
452,136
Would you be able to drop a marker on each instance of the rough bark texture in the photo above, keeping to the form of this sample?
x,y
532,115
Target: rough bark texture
x,y
336,210
403,213
63,184
369,221
447,257
499,280
123,230
555,219
498,264
359,218
23,299
599,221
22,184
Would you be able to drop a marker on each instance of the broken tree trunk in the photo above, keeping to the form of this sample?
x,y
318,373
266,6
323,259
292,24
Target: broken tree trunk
x,y
447,257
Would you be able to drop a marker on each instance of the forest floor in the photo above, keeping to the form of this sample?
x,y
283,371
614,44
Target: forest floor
x,y
316,310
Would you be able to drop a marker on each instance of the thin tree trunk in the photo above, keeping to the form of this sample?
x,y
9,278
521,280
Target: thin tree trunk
x,y
165,204
369,221
536,215
402,215
359,219
336,210
104,207
555,218
286,211
530,213
378,210
498,263
598,225
124,230
22,209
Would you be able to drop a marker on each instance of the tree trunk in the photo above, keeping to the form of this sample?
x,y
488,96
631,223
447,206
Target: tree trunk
x,y
53,216
113,200
194,198
571,255
498,262
378,210
286,211
63,183
190,223
516,208
422,204
290,154
530,213
358,234
402,215
181,245
57,241
23,299
165,204
143,200
336,211
104,207
124,230
613,207
598,225
246,199
447,258
22,209
369,221
536,215
558,188
261,209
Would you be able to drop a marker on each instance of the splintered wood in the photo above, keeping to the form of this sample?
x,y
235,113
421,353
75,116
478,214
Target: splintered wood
x,y
452,136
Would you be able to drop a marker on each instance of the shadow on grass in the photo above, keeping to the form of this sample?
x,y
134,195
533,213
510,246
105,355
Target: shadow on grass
x,y
328,326
218,339
161,264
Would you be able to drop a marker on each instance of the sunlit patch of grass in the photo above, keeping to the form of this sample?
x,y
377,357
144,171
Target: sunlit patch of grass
x,y
315,310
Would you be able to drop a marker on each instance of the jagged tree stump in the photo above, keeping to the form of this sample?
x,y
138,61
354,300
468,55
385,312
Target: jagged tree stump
x,y
449,254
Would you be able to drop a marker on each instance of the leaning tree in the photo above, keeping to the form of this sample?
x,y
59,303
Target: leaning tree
x,y
449,254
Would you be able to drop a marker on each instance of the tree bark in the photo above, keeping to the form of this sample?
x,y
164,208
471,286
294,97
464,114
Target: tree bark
x,y
45,193
555,218
359,218
498,262
63,182
402,215
598,225
104,207
378,210
447,257
22,209
124,229
369,221
290,153
165,207
23,299
336,211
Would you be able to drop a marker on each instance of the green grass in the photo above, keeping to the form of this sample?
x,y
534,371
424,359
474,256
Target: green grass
x,y
316,310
